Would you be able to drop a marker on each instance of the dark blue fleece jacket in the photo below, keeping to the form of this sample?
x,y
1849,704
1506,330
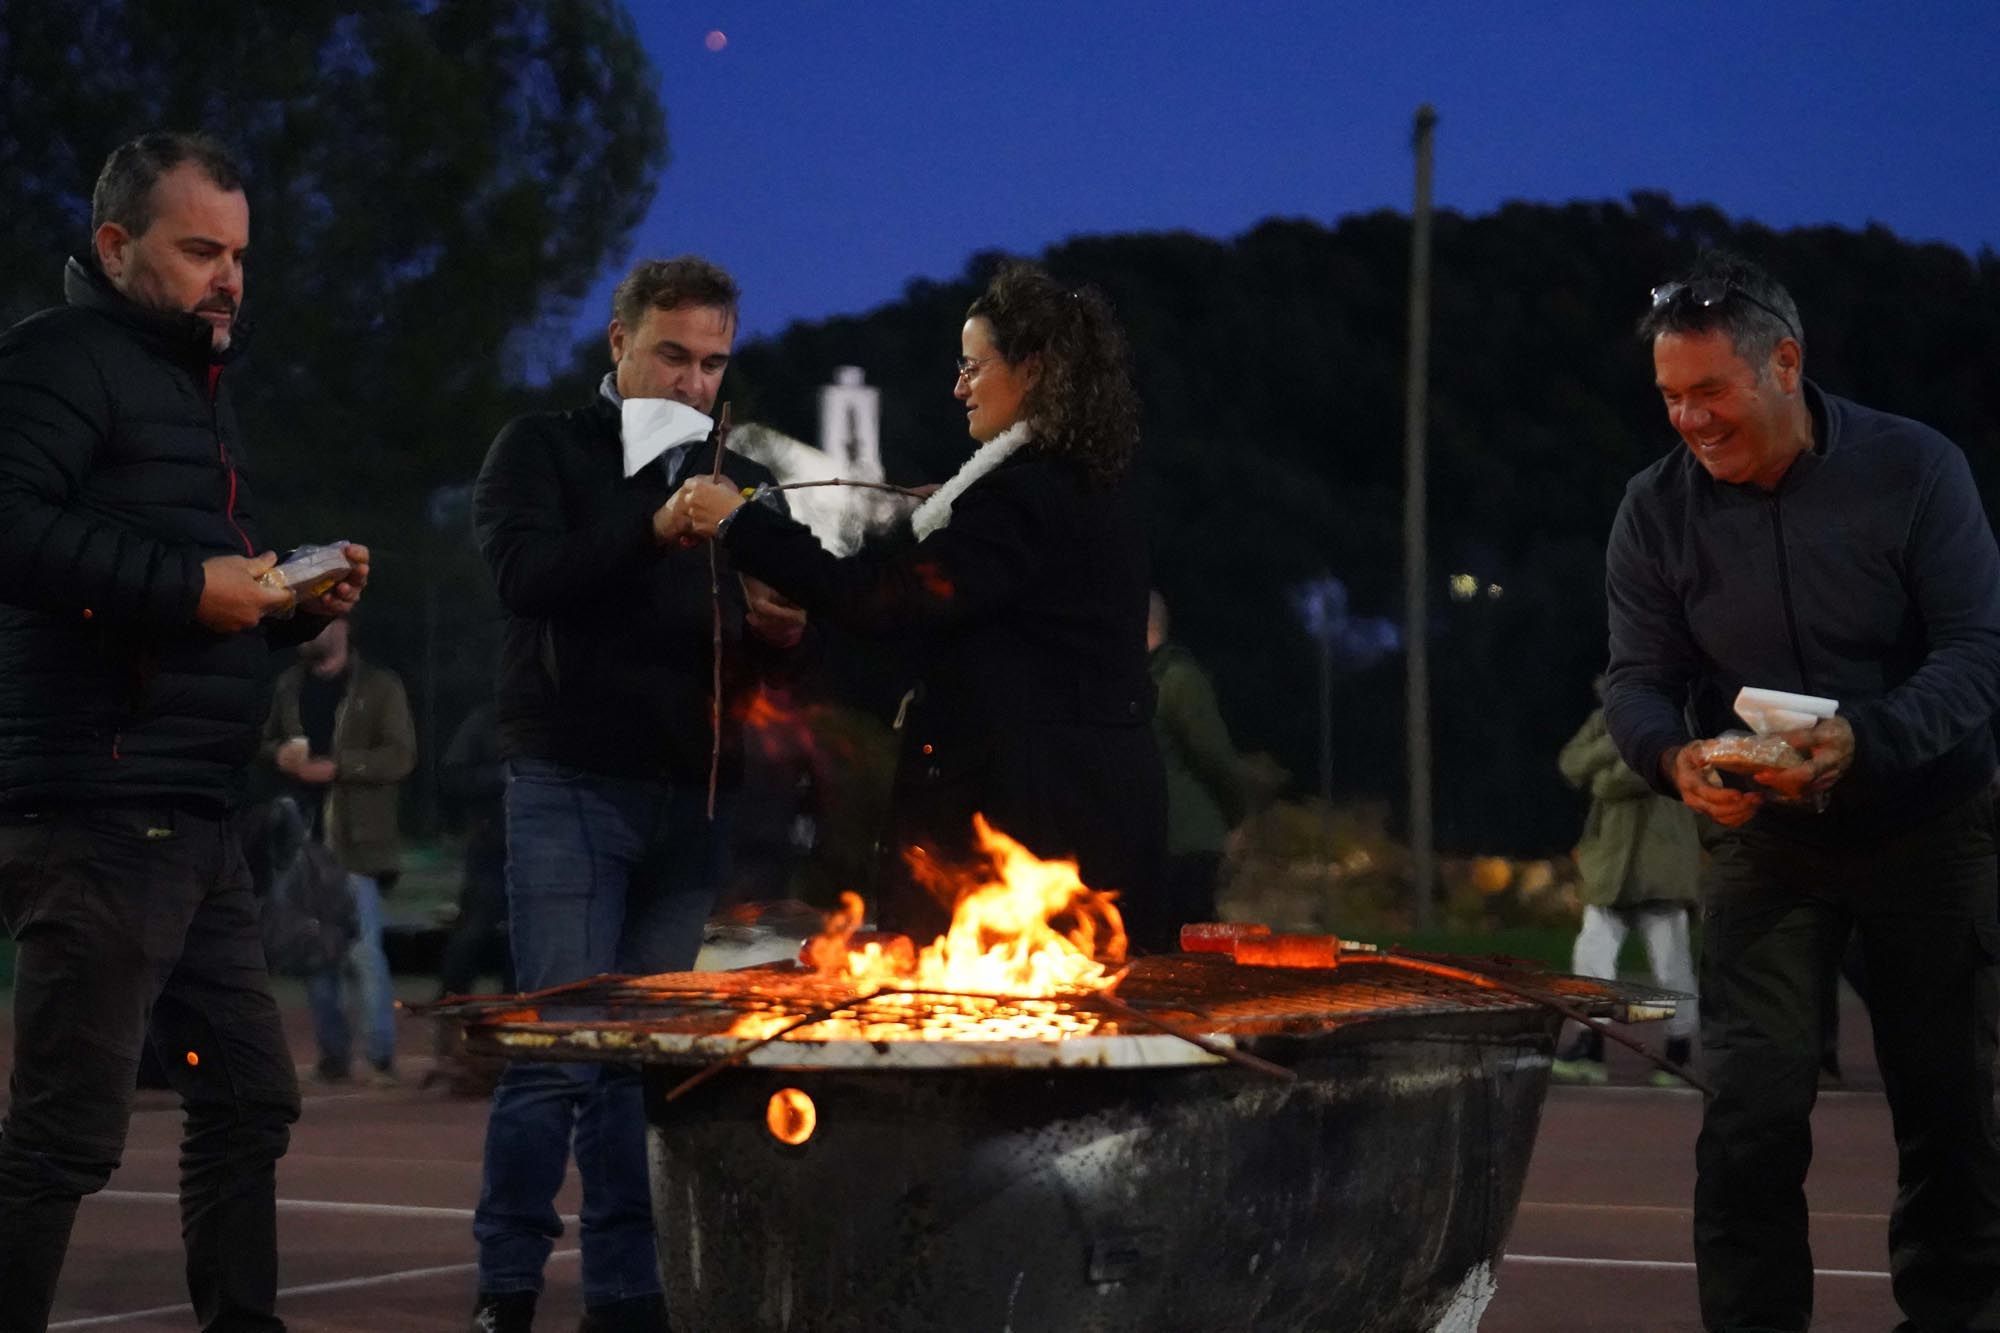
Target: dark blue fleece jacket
x,y
1869,576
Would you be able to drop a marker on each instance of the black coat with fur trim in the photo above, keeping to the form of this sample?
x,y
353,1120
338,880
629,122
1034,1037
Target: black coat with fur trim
x,y
1035,706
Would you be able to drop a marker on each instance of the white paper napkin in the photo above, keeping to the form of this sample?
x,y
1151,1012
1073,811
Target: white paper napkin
x,y
1769,711
651,426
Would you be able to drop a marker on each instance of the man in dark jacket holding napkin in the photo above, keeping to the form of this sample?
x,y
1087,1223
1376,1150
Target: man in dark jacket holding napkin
x,y
604,713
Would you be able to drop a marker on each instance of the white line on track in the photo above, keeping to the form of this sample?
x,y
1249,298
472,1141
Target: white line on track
x,y
1661,1265
307,1289
309,1205
319,1206
1679,1210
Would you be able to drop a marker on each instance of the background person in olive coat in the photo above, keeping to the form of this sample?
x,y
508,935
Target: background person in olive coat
x,y
1206,795
340,730
1640,862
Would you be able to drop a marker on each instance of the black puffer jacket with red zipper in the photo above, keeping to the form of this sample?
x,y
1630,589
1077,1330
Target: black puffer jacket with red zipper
x,y
120,472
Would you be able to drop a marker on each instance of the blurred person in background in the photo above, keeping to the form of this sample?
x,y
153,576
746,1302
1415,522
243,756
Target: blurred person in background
x,y
473,782
340,731
1206,793
1640,864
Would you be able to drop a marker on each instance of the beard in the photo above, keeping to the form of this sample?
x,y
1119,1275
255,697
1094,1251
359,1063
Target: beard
x,y
144,285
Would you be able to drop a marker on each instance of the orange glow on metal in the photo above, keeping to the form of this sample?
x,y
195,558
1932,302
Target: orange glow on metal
x,y
1023,927
791,1116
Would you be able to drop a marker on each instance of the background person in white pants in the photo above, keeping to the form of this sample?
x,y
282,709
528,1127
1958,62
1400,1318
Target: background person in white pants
x,y
1639,860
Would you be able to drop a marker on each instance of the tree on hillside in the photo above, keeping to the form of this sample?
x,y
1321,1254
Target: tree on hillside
x,y
430,181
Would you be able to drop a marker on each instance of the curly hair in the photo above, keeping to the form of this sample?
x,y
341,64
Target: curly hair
x,y
1081,400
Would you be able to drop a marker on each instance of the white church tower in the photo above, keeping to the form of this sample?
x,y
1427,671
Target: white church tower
x,y
850,425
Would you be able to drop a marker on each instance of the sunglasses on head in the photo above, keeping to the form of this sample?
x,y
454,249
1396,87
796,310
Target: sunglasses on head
x,y
1711,292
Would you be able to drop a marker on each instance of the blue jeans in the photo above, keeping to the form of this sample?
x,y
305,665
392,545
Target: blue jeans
x,y
367,967
603,875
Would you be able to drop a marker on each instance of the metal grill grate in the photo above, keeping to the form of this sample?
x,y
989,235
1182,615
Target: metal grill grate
x,y
1208,993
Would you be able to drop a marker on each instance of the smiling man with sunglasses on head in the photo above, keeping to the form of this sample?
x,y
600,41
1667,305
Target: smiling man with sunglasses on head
x,y
1806,543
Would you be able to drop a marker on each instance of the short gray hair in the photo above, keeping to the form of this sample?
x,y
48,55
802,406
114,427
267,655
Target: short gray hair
x,y
1725,291
124,190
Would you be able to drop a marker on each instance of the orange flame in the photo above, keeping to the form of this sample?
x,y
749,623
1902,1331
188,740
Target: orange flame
x,y
1023,927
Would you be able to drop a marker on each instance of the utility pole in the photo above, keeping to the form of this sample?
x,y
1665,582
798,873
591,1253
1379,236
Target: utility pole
x,y
1416,563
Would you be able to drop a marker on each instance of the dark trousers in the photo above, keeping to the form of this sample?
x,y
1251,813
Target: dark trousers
x,y
128,923
478,942
1187,893
1776,916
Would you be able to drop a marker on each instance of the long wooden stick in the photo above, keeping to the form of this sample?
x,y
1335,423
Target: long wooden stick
x,y
715,646
843,481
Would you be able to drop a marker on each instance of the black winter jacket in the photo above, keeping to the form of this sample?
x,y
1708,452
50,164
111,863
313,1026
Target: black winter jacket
x,y
1036,704
1868,576
606,661
120,472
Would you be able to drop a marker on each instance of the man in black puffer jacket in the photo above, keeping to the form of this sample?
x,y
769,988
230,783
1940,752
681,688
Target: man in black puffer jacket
x,y
133,648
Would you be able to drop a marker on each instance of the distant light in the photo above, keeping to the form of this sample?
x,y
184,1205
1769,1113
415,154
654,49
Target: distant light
x,y
716,40
1492,590
1464,587
193,1059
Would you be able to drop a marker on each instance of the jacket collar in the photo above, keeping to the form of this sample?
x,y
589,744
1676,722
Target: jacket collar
x,y
183,336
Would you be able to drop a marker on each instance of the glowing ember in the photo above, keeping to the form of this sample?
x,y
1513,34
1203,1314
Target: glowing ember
x,y
1023,930
791,1116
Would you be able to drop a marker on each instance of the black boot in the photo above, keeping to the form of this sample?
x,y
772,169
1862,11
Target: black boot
x,y
636,1314
1581,1060
504,1312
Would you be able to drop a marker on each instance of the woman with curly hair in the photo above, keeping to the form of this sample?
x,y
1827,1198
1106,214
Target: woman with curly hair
x,y
1026,588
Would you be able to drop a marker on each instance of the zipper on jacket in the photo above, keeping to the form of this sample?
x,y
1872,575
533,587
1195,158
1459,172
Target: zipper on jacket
x,y
222,451
1785,595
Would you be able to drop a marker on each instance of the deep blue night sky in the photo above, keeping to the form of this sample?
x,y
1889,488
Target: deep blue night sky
x,y
834,149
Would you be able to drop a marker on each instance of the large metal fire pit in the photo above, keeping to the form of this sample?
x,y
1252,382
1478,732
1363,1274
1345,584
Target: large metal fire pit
x,y
1123,1180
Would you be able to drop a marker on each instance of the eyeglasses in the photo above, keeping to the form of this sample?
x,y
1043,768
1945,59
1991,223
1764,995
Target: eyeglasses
x,y
1711,292
968,366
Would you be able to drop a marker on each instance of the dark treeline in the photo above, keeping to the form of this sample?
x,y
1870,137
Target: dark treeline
x,y
1271,371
